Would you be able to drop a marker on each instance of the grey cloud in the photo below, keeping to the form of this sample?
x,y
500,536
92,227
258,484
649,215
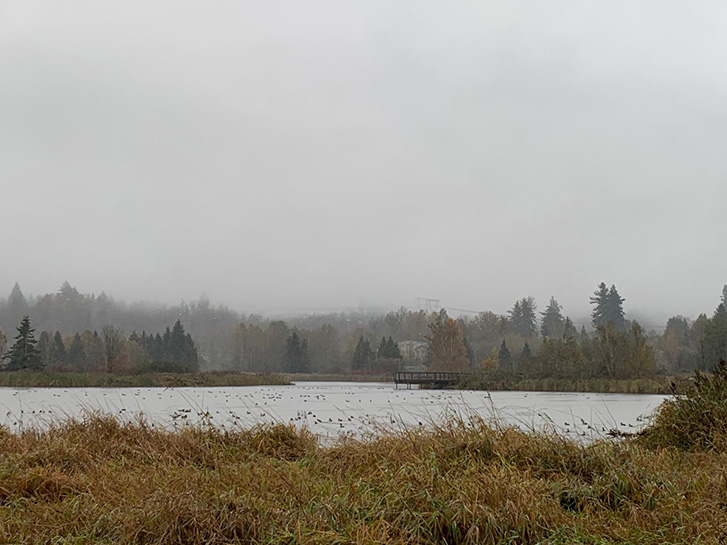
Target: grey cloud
x,y
319,154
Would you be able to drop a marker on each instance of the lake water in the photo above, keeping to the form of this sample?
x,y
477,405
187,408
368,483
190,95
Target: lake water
x,y
330,409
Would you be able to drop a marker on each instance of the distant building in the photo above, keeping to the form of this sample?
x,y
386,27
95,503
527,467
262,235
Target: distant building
x,y
413,352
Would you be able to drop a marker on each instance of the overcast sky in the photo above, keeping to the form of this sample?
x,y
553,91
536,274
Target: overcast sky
x,y
330,154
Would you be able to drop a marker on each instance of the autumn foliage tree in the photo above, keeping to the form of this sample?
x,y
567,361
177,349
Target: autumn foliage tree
x,y
621,355
447,351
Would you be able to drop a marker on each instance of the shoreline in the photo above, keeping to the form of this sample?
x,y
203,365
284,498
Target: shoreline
x,y
67,379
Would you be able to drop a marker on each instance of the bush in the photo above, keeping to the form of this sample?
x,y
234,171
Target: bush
x,y
695,419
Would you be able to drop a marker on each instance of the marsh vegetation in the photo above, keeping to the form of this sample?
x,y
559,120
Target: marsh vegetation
x,y
97,480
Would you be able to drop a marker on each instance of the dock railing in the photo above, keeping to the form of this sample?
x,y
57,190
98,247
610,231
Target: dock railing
x,y
434,378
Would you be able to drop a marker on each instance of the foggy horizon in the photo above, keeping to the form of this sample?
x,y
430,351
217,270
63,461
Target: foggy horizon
x,y
581,316
282,156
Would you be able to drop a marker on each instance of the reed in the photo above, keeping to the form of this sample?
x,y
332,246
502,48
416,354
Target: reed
x,y
653,385
98,480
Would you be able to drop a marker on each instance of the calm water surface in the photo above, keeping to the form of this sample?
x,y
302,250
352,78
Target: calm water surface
x,y
330,409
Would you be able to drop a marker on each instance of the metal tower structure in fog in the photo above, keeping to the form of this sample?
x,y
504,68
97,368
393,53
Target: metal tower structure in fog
x,y
429,305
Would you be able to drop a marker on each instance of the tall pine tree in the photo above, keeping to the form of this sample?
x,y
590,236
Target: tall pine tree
x,y
295,358
76,356
59,350
24,353
362,355
523,317
504,358
553,323
599,300
607,307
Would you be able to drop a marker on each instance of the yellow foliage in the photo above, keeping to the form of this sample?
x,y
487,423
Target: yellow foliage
x,y
490,363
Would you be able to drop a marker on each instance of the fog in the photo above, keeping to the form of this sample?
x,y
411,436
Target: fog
x,y
285,156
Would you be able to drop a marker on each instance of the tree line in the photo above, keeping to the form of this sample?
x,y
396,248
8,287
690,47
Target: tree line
x,y
87,333
111,352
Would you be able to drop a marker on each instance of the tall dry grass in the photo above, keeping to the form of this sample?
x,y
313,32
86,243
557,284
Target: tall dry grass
x,y
97,480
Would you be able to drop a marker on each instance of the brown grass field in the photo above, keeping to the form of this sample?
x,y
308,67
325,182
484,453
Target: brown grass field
x,y
100,481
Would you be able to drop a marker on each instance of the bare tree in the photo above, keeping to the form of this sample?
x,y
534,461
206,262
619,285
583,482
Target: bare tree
x,y
113,339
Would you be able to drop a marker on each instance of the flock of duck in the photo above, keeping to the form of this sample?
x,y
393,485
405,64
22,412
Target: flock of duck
x,y
327,409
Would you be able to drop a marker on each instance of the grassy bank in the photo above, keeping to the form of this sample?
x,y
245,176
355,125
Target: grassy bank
x,y
99,481
653,385
39,379
340,377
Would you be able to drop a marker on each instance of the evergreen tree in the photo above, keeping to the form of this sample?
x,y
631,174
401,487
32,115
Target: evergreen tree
x,y
16,306
714,339
76,357
164,347
392,349
615,307
504,358
523,317
59,349
295,358
362,355
569,330
599,300
158,351
24,353
608,307
191,356
381,350
553,323
388,349
674,346
182,351
696,333
525,356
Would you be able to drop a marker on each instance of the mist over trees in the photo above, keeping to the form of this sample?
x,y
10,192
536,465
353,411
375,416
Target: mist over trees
x,y
68,330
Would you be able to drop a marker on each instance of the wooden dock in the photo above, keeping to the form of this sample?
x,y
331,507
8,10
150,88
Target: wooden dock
x,y
432,379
